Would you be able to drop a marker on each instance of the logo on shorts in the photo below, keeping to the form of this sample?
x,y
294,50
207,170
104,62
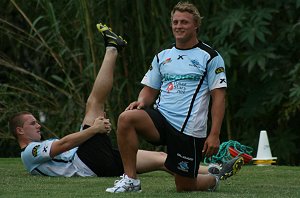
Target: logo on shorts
x,y
185,157
183,166
35,150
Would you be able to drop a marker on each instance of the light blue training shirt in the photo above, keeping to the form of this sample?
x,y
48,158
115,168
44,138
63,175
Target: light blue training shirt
x,y
176,74
37,161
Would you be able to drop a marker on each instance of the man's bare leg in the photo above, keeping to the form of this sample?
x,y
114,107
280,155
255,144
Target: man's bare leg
x,y
102,87
104,80
150,161
131,124
201,183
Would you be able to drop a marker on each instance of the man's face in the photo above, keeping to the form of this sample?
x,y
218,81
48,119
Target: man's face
x,y
183,27
31,128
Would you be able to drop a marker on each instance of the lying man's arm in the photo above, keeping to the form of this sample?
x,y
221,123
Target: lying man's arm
x,y
101,125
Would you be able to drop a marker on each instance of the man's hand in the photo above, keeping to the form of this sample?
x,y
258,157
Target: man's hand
x,y
146,97
102,125
135,105
211,146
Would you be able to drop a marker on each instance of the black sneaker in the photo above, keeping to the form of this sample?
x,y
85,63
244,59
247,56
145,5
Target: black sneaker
x,y
231,167
110,38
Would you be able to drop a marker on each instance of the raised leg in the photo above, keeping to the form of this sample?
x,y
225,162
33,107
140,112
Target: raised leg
x,y
104,80
102,87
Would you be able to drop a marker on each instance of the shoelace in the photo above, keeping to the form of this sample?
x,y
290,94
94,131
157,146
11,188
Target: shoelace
x,y
117,182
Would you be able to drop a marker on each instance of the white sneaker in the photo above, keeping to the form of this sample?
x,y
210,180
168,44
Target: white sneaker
x,y
126,184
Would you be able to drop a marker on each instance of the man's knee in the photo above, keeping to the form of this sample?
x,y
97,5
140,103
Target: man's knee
x,y
125,121
93,104
124,118
130,116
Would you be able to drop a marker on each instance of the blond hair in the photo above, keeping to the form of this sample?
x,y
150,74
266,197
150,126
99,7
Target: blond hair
x,y
190,8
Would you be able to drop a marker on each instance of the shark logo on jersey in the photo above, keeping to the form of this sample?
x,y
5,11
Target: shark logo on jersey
x,y
183,166
195,63
150,68
35,150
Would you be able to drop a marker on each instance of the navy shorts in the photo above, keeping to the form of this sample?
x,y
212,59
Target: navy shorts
x,y
184,151
98,154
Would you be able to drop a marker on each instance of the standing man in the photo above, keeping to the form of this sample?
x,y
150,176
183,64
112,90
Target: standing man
x,y
180,81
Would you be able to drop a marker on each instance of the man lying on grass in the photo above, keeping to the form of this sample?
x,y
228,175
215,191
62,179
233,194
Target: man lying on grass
x,y
88,152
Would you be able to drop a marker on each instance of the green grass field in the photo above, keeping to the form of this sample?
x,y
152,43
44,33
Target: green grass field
x,y
251,181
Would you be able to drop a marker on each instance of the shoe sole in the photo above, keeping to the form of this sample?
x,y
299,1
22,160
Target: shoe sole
x,y
133,191
110,37
102,28
105,31
238,165
235,168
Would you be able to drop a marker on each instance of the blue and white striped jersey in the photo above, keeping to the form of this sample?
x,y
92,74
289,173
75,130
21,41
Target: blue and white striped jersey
x,y
177,74
37,160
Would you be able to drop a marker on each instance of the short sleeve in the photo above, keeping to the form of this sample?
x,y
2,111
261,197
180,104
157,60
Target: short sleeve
x,y
153,77
216,73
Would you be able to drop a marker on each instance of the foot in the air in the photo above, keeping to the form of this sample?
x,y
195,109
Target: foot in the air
x,y
110,38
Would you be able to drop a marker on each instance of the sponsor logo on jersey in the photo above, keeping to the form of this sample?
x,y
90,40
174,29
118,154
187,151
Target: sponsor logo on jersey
x,y
45,149
180,57
170,87
35,150
219,70
222,80
169,77
168,60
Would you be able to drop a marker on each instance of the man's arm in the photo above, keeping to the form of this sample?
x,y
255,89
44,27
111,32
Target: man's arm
x,y
146,97
101,125
212,143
